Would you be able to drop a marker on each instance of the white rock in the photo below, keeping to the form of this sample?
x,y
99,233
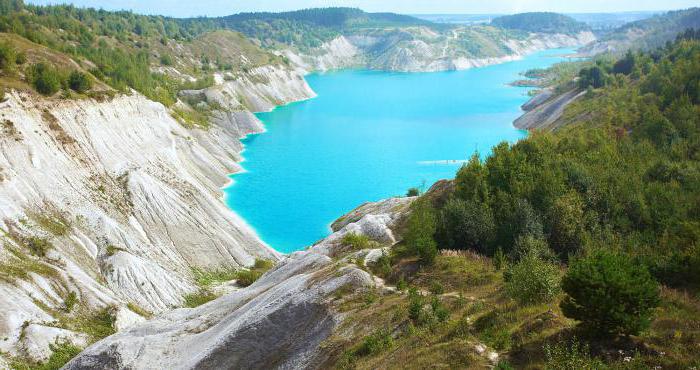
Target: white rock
x,y
124,318
36,340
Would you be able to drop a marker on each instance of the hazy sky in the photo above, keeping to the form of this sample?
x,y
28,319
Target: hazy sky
x,y
180,8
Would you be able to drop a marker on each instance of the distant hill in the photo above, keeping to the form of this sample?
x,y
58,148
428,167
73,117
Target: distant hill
x,y
330,17
541,22
647,34
307,28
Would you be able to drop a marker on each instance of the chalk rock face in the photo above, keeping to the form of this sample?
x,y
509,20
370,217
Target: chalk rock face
x,y
37,338
545,110
421,49
278,322
115,202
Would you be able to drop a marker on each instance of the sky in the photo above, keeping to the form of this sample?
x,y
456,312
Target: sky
x,y
189,8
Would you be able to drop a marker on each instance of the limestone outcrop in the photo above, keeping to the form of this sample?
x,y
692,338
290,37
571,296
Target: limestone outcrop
x,y
278,322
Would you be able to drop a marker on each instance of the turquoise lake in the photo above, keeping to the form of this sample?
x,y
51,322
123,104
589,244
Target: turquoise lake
x,y
369,136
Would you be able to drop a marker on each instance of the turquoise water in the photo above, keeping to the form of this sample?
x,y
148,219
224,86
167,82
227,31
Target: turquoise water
x,y
369,136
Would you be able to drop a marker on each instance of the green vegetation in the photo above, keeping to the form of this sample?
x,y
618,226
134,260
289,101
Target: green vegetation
x,y
533,280
419,235
79,82
139,310
199,298
307,28
541,22
207,279
45,78
656,31
70,301
62,352
573,355
610,294
356,241
609,201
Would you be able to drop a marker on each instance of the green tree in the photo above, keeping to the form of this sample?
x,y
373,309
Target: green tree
x,y
568,232
470,182
610,294
421,231
466,224
45,78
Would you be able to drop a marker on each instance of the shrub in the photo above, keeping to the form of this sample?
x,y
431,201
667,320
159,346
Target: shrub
x,y
374,343
531,246
436,287
8,58
413,192
166,60
38,246
356,241
45,79
246,278
439,310
568,356
79,82
499,259
533,280
263,264
610,294
70,301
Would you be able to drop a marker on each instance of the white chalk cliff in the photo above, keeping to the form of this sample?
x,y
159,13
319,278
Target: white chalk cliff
x,y
423,50
121,201
278,322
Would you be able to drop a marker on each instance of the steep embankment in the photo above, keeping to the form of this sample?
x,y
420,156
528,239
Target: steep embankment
x,y
114,202
422,49
544,110
278,322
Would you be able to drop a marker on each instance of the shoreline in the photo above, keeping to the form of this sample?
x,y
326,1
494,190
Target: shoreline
x,y
226,196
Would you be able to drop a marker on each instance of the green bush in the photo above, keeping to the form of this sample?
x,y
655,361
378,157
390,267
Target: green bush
x,y
355,241
166,60
533,280
531,246
246,278
570,356
610,294
79,82
413,192
8,58
45,79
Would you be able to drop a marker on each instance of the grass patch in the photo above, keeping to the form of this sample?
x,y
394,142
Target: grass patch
x,y
63,352
53,222
356,241
207,278
113,249
139,310
197,299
